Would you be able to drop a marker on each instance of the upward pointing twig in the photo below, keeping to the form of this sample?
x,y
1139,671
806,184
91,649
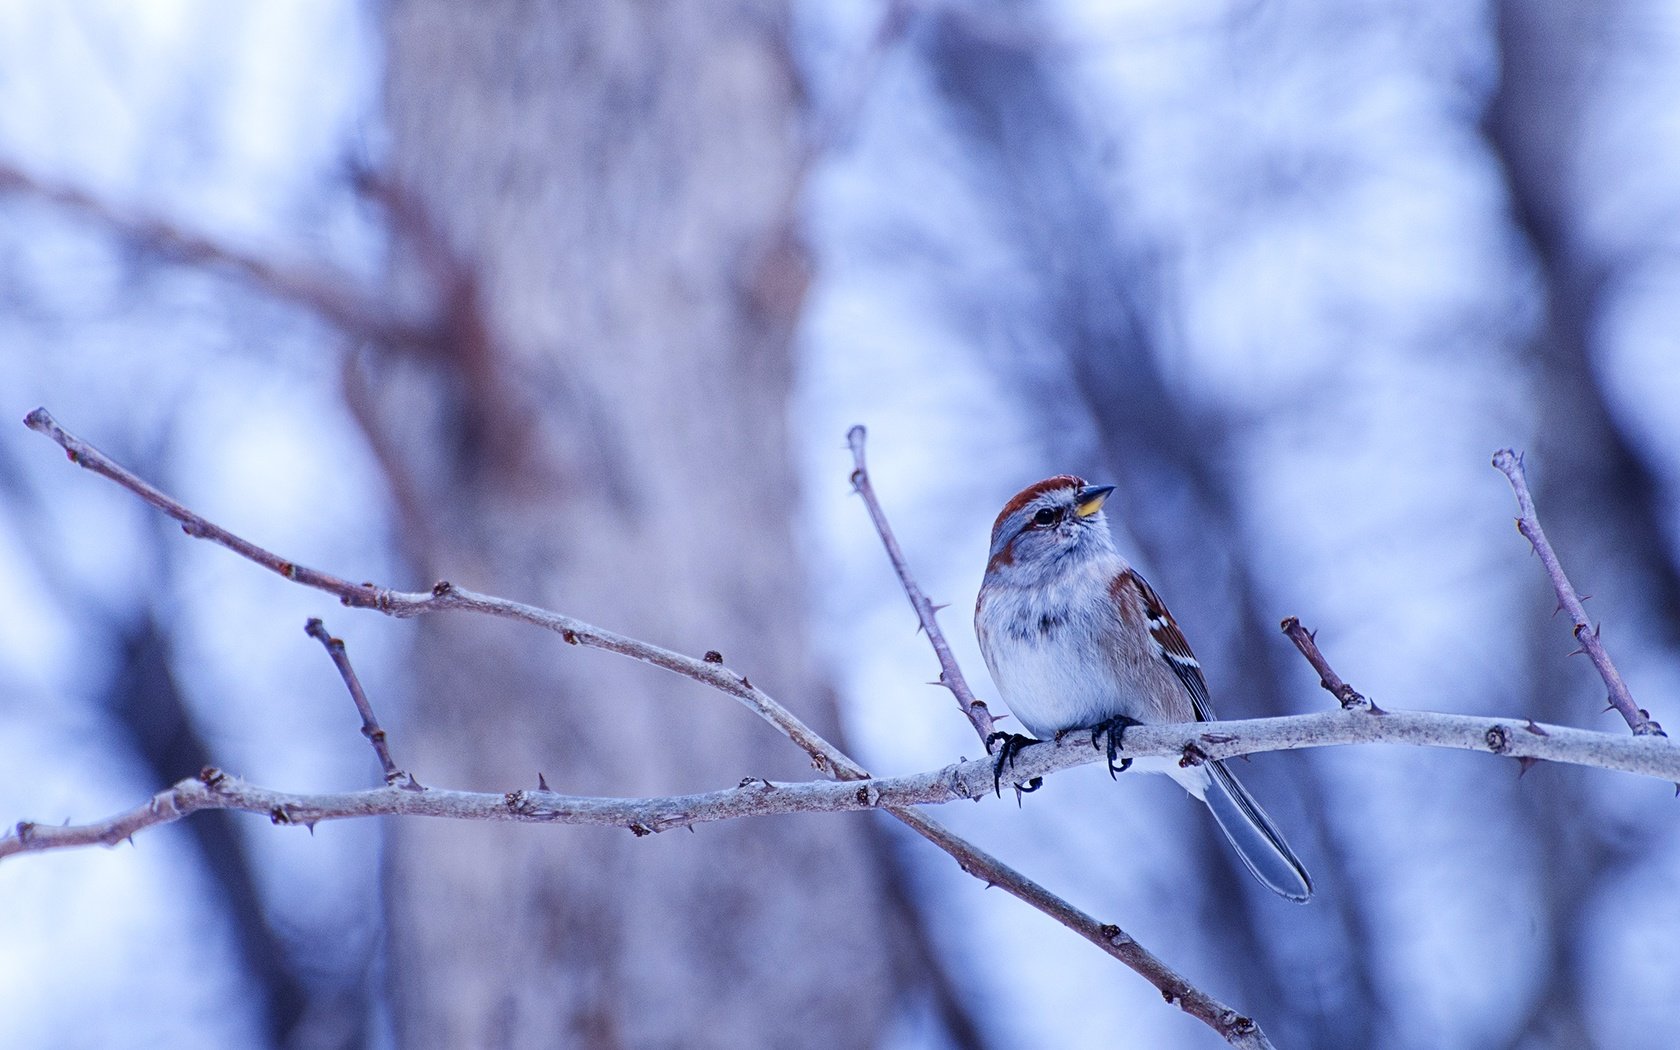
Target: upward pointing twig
x,y
1638,719
1351,699
950,675
370,725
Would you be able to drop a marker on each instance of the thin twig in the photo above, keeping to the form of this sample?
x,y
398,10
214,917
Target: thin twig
x,y
1235,1028
1307,641
950,675
1638,719
371,729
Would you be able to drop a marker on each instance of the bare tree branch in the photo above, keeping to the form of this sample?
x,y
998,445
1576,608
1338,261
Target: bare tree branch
x,y
1189,742
330,293
950,675
1638,719
370,725
1647,754
1235,1028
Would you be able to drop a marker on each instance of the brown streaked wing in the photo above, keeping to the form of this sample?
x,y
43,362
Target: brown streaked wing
x,y
1174,649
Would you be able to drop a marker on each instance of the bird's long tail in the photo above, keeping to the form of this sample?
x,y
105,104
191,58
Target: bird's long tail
x,y
1257,841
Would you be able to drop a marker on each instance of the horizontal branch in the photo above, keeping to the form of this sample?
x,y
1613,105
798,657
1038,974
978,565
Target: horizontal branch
x,y
971,779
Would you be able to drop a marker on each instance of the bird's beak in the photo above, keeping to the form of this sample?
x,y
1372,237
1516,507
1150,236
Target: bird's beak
x,y
1090,499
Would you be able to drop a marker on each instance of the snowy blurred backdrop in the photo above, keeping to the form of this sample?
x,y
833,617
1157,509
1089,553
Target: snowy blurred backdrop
x,y
1287,273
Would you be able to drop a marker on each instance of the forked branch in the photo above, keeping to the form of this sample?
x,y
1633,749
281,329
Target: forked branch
x,y
1237,1029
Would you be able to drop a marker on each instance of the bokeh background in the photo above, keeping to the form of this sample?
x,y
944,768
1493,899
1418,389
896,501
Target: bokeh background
x,y
574,303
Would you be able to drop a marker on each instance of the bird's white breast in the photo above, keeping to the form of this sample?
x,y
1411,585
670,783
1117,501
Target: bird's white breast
x,y
1054,650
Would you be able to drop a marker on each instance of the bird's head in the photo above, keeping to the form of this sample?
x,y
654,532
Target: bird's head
x,y
1045,523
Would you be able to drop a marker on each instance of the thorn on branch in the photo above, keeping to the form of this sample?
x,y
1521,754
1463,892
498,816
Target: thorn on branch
x,y
1524,763
542,781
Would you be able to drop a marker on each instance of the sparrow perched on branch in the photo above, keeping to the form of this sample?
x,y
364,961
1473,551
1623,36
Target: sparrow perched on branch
x,y
1077,640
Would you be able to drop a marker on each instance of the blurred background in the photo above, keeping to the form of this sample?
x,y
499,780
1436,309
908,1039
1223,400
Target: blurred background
x,y
574,302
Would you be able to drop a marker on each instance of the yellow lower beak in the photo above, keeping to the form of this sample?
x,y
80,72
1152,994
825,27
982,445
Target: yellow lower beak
x,y
1091,499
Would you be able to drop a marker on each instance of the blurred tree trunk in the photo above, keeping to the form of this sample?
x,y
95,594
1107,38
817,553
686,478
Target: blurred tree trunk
x,y
605,433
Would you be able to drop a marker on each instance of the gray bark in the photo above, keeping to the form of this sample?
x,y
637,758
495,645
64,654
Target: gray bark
x,y
606,434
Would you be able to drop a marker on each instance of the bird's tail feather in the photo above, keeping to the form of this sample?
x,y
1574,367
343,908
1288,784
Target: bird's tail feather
x,y
1256,840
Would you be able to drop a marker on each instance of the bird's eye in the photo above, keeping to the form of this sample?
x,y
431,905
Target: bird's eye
x,y
1047,516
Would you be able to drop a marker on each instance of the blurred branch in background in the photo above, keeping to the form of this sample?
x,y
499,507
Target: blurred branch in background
x,y
334,295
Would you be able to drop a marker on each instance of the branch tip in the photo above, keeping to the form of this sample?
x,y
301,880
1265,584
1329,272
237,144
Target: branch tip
x,y
926,611
1528,523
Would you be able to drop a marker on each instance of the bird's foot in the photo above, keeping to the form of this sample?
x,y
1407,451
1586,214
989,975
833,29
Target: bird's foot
x,y
1114,730
1011,745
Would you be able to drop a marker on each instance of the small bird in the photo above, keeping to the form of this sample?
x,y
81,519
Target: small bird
x,y
1076,639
